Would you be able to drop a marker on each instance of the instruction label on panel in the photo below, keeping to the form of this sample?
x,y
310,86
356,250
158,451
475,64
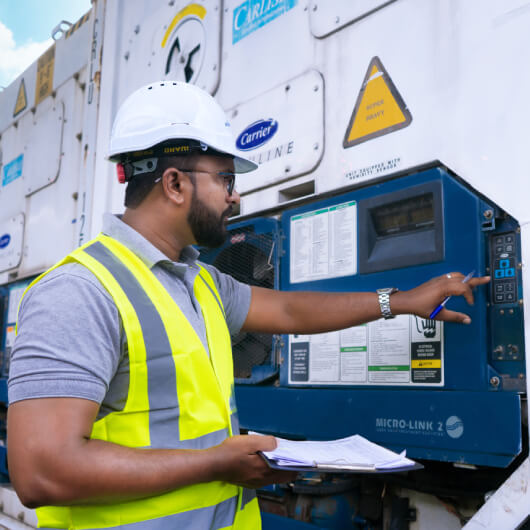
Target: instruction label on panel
x,y
404,351
379,108
45,65
324,243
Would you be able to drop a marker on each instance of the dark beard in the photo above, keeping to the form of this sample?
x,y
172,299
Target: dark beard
x,y
207,227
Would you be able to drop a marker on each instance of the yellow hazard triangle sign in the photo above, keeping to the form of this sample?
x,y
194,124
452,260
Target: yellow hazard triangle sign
x,y
22,100
379,108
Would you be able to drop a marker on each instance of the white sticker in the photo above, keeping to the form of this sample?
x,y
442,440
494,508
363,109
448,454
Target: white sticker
x,y
10,337
404,351
15,295
389,350
324,243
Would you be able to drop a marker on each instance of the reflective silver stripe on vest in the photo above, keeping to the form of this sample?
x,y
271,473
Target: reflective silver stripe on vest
x,y
234,422
211,517
247,496
204,442
161,377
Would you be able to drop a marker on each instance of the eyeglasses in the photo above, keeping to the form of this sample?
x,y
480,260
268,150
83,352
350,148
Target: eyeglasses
x,y
228,176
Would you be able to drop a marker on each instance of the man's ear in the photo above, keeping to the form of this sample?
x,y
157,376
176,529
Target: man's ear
x,y
176,185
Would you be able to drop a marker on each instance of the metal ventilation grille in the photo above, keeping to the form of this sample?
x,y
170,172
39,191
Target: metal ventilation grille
x,y
249,262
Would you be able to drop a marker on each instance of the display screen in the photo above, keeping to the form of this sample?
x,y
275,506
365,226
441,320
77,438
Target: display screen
x,y
416,213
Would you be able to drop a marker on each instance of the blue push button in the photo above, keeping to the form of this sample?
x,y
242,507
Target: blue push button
x,y
499,273
505,263
509,273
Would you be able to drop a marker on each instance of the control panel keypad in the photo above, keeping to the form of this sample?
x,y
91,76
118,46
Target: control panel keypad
x,y
504,268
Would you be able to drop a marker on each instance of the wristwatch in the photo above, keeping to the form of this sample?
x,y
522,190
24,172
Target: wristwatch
x,y
384,301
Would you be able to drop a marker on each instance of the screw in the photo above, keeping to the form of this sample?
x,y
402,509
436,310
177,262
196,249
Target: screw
x,y
137,29
518,230
126,56
501,311
519,265
487,269
521,301
315,88
315,147
521,376
337,20
488,214
287,169
315,7
287,88
495,381
511,311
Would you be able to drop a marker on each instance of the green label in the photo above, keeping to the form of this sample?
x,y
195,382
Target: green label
x,y
353,348
389,368
342,206
323,210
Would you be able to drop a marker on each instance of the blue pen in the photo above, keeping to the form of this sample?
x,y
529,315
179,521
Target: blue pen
x,y
441,306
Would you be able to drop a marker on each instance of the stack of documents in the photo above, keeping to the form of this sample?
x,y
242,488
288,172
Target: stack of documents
x,y
354,453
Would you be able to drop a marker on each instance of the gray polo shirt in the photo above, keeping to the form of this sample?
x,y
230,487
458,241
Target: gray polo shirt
x,y
70,340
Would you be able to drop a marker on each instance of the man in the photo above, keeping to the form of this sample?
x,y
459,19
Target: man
x,y
122,411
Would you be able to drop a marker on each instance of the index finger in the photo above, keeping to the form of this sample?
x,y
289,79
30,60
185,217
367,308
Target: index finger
x,y
480,280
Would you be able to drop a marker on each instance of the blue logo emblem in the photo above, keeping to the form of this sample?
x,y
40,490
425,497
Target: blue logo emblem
x,y
256,134
4,240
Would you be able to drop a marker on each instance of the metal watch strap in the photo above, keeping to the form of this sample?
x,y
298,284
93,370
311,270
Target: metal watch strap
x,y
384,301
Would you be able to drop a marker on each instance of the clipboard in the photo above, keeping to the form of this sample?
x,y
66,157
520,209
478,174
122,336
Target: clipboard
x,y
340,469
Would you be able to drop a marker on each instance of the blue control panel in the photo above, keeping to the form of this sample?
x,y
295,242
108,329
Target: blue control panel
x,y
455,394
505,264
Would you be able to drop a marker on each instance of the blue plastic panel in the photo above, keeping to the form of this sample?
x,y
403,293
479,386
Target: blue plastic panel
x,y
475,416
482,428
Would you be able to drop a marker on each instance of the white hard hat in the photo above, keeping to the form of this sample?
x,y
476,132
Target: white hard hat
x,y
172,110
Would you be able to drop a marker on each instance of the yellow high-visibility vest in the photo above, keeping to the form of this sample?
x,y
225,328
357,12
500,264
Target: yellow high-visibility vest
x,y
178,397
